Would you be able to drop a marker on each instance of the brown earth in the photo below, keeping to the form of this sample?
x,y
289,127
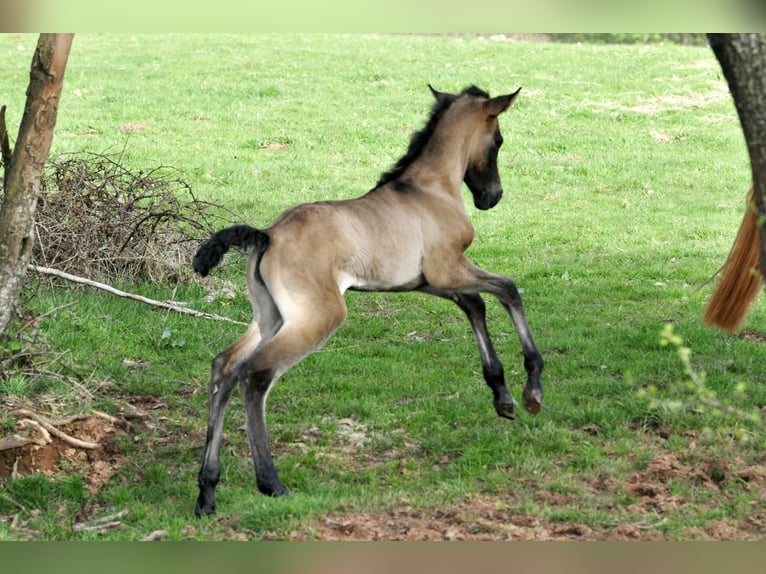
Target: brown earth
x,y
653,491
97,465
487,517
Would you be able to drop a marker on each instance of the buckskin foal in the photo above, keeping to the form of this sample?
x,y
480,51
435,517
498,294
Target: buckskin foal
x,y
409,233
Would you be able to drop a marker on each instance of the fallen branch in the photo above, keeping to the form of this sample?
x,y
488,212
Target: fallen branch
x,y
35,320
105,417
29,421
102,524
156,535
44,423
17,440
14,441
108,288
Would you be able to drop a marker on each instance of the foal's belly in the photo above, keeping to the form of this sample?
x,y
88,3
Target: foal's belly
x,y
373,280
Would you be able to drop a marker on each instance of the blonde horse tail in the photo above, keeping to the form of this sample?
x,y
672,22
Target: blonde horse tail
x,y
740,281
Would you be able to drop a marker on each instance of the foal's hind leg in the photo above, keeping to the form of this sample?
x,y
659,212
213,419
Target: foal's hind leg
x,y
225,373
473,306
296,339
223,379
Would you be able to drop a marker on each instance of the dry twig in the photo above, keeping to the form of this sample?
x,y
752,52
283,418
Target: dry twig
x,y
108,288
43,422
102,524
156,535
101,219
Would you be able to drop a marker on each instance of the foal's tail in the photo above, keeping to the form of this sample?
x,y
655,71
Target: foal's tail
x,y
740,281
212,251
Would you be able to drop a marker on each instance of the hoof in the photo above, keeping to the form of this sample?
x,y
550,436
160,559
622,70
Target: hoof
x,y
273,490
505,409
533,400
201,510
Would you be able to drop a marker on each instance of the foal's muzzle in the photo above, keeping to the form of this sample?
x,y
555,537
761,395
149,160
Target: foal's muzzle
x,y
488,199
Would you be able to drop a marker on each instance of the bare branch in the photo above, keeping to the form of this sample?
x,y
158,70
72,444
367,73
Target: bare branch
x,y
102,524
43,422
108,288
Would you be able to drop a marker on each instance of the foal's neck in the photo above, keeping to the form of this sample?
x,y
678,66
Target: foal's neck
x,y
444,160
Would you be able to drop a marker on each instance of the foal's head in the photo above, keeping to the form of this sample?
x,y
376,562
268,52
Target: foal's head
x,y
481,175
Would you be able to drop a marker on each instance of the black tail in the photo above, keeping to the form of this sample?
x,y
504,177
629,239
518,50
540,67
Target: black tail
x,y
212,251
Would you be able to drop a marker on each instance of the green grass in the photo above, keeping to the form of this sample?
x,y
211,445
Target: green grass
x,y
625,173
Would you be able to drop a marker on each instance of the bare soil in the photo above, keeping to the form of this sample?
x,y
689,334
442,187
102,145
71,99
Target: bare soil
x,y
654,490
487,517
96,465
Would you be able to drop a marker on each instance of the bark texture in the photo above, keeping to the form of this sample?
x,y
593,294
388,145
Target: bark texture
x,y
743,61
21,184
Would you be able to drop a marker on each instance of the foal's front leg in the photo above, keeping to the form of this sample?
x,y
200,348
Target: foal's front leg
x,y
473,306
508,295
464,279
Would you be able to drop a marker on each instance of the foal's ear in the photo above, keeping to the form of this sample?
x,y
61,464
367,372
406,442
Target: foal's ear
x,y
440,96
499,104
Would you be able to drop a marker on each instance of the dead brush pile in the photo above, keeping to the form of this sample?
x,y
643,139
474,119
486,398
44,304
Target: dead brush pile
x,y
102,220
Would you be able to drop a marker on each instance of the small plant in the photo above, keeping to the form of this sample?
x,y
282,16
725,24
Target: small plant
x,y
693,395
15,386
170,339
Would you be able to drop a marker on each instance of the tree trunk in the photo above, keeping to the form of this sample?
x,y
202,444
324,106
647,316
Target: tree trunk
x,y
743,61
21,185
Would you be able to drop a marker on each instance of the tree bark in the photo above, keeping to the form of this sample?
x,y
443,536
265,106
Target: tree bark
x,y
21,185
743,61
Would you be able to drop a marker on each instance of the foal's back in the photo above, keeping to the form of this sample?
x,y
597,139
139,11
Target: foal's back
x,y
374,242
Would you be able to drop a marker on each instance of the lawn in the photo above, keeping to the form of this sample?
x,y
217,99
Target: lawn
x,y
625,174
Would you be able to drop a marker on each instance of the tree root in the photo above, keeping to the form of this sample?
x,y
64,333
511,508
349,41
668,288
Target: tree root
x,y
30,420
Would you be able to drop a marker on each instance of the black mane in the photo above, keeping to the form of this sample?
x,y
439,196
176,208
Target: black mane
x,y
420,138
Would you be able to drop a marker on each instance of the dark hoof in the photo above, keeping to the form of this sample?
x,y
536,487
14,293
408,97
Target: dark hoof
x,y
202,509
505,409
533,400
271,490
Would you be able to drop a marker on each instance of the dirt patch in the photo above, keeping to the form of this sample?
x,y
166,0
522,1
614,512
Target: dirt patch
x,y
133,127
670,102
58,456
636,507
655,489
274,146
754,336
711,473
481,518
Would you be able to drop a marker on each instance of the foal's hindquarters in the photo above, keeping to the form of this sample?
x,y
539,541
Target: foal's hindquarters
x,y
288,325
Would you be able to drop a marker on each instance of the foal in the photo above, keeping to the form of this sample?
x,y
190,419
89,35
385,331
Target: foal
x,y
407,234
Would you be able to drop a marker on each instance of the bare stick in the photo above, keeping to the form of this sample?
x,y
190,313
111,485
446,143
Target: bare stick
x,y
156,535
14,441
111,521
29,424
106,417
17,441
43,422
108,288
38,318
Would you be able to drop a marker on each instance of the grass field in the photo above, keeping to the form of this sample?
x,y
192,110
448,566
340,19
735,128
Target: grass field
x,y
625,173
